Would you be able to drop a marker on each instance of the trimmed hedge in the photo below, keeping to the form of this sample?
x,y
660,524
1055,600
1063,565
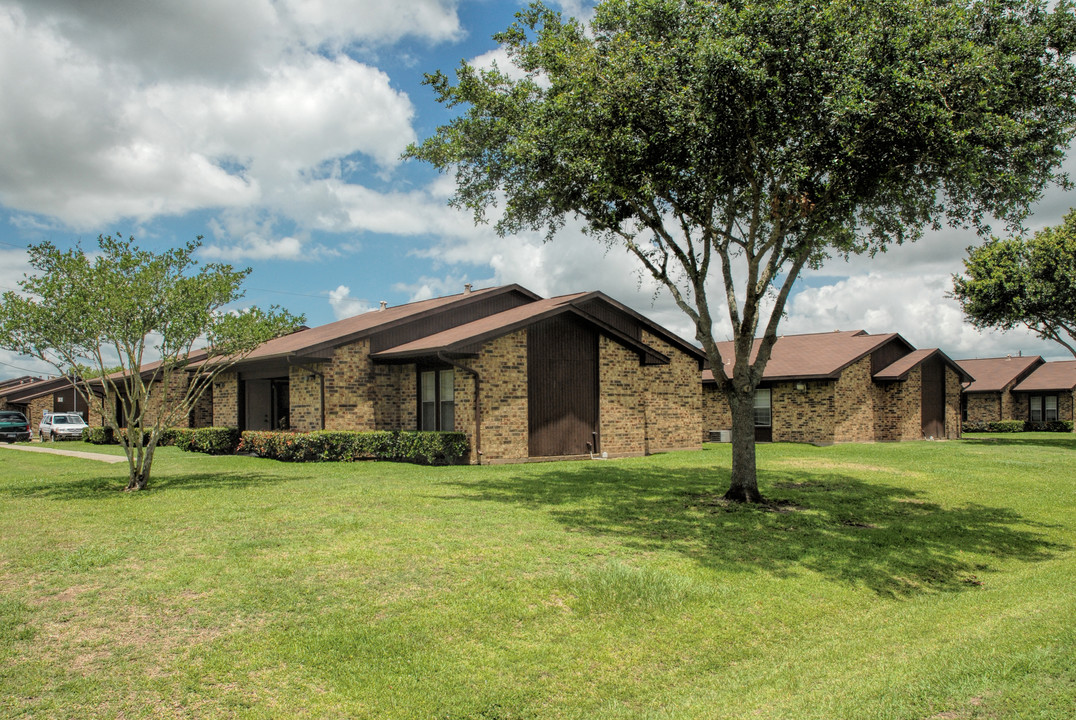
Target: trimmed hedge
x,y
427,448
99,436
1013,426
210,440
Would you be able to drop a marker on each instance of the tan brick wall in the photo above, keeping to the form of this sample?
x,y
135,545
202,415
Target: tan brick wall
x,y
396,397
805,415
1008,405
162,401
502,365
35,410
952,404
623,417
226,400
853,403
898,412
1065,405
349,388
716,413
304,396
674,398
986,407
1020,410
648,408
203,409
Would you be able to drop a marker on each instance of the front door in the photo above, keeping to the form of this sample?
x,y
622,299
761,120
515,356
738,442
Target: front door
x,y
258,404
562,388
933,398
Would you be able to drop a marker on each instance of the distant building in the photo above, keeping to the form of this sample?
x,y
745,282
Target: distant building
x,y
848,386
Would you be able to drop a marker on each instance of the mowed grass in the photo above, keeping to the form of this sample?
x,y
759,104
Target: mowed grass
x,y
915,580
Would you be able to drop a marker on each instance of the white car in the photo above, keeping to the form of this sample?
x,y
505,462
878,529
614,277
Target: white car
x,y
58,426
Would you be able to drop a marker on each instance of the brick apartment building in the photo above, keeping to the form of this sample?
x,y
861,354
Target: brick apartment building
x,y
522,376
848,386
990,397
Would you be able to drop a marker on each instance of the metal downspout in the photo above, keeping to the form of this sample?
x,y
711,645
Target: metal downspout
x,y
477,402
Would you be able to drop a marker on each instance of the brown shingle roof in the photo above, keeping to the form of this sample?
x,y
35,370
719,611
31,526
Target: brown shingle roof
x,y
899,369
996,374
352,328
811,356
27,392
464,338
458,338
1050,376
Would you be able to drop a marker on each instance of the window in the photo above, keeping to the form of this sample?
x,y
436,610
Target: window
x,y
762,407
1042,408
437,400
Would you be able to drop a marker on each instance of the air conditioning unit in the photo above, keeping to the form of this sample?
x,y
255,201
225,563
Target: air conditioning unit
x,y
720,436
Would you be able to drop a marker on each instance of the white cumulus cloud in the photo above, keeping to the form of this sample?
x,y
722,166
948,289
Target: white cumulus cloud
x,y
344,305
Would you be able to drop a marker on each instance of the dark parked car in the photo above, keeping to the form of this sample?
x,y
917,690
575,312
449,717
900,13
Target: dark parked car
x,y
13,426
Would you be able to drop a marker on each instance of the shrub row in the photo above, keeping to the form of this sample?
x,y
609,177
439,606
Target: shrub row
x,y
427,448
211,440
1012,426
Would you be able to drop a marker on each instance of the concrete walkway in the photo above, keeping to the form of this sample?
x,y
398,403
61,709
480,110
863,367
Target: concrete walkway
x,y
68,453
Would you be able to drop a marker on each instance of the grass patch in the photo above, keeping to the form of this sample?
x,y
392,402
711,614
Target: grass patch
x,y
916,580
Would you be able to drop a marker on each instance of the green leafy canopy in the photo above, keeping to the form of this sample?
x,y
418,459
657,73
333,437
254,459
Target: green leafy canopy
x,y
739,142
120,307
1024,281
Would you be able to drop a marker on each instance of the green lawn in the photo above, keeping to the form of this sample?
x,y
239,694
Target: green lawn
x,y
915,580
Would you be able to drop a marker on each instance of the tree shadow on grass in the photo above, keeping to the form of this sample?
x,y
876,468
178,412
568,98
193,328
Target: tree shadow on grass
x,y
108,485
886,538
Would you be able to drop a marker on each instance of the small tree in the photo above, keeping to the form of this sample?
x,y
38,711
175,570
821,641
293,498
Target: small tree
x,y
109,309
1024,281
740,142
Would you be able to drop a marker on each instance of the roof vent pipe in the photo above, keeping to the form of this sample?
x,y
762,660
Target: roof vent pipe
x,y
467,289
384,304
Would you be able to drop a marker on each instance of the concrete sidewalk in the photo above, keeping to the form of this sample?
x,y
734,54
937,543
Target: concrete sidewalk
x,y
69,453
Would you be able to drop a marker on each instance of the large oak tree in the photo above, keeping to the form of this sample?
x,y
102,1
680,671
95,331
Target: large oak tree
x,y
734,144
160,317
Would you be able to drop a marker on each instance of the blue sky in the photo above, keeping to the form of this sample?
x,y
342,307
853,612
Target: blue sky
x,y
274,128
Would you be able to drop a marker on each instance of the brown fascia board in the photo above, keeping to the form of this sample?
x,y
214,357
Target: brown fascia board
x,y
670,337
309,354
468,347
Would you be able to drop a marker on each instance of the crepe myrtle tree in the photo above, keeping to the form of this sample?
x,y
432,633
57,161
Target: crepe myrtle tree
x,y
733,144
1024,281
121,304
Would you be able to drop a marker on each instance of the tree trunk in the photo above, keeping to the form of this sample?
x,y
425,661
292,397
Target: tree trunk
x,y
139,461
744,486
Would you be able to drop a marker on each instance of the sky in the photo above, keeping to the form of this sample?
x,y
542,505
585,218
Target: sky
x,y
274,129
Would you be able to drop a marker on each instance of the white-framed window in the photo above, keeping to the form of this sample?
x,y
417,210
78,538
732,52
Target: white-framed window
x,y
763,416
437,400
